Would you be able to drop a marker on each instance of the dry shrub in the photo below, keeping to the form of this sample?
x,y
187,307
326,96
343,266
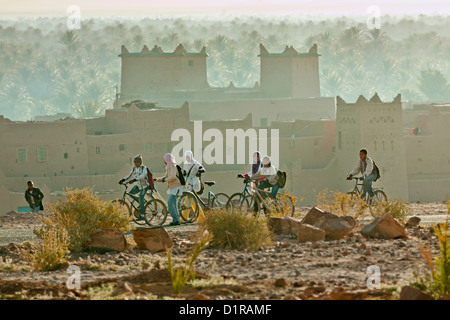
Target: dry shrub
x,y
398,209
51,252
283,206
437,283
236,230
82,215
341,204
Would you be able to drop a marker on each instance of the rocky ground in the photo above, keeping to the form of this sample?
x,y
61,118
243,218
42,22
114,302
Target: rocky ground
x,y
285,270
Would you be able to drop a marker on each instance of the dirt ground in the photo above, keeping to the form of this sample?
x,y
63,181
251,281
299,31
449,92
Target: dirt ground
x,y
285,270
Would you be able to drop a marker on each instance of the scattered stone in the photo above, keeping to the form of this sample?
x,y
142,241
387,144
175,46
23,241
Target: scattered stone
x,y
108,240
310,233
413,222
348,295
152,239
281,283
385,227
335,227
298,284
122,288
284,225
410,293
199,296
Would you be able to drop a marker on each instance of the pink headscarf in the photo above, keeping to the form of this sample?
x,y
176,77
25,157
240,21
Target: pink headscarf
x,y
169,159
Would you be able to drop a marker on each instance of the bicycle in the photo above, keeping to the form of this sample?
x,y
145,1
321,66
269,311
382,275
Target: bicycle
x,y
245,201
188,207
356,193
213,202
155,209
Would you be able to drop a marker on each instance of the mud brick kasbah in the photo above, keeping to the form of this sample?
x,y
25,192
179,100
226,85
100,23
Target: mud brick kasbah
x,y
319,137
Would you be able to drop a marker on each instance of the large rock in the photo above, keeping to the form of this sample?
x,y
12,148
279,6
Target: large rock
x,y
310,233
334,226
384,227
284,225
152,239
108,240
410,293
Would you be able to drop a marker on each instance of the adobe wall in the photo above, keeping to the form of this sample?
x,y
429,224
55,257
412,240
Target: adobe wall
x,y
270,109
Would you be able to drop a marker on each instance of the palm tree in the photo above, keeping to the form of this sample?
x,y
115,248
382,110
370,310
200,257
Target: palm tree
x,y
70,39
15,101
433,85
88,108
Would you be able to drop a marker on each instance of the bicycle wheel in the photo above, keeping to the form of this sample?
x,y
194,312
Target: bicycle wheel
x,y
136,216
380,196
155,212
188,207
240,202
219,201
125,207
286,206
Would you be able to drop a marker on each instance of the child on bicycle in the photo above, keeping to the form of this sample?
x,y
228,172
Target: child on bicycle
x,y
267,175
174,185
365,166
192,170
139,174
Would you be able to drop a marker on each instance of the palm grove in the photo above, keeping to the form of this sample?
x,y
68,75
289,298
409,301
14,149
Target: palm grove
x,y
46,68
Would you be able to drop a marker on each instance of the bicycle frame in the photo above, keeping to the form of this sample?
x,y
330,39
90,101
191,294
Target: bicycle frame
x,y
257,192
125,194
210,193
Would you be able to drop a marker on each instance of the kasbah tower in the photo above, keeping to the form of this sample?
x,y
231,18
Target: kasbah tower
x,y
378,127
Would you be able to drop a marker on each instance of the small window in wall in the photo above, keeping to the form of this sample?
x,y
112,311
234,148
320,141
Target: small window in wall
x,y
191,63
148,147
121,147
97,150
263,122
66,155
21,155
41,154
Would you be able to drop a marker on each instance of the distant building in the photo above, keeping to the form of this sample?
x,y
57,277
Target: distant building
x,y
318,146
289,86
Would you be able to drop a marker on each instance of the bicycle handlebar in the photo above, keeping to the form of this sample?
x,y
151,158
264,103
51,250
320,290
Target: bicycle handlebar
x,y
355,178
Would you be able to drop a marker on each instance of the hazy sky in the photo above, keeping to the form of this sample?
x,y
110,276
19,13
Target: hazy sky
x,y
248,7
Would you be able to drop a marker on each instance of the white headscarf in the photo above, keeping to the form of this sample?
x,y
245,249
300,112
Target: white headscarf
x,y
189,154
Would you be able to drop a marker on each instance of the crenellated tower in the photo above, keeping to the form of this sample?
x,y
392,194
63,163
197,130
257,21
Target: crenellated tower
x,y
290,74
378,127
151,73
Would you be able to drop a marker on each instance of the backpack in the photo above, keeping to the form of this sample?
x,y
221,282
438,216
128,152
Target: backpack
x,y
281,178
180,176
376,170
150,179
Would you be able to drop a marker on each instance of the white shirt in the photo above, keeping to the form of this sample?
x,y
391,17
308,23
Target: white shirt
x,y
140,174
360,165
